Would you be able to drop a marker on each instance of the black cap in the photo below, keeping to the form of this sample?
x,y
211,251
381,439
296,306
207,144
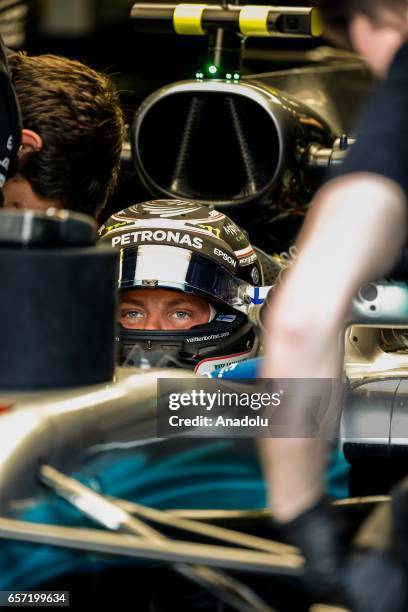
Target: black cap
x,y
10,124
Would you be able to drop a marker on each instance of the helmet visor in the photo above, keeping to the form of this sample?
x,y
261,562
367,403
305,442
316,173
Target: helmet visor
x,y
177,268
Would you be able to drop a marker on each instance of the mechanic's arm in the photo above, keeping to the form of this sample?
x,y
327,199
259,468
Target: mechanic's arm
x,y
352,234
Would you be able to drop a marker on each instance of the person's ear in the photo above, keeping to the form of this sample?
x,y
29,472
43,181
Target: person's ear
x,y
376,41
31,142
361,31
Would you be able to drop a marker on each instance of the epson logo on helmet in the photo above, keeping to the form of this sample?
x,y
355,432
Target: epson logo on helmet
x,y
158,236
226,257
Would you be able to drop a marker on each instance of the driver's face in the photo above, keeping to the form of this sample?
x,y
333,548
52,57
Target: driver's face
x,y
161,309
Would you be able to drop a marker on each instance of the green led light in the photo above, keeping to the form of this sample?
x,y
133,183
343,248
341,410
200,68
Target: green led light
x,y
237,76
212,69
228,75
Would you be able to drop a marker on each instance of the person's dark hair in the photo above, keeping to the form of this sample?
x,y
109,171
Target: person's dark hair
x,y
76,112
338,13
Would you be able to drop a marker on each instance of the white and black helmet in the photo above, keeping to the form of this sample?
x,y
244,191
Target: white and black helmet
x,y
189,247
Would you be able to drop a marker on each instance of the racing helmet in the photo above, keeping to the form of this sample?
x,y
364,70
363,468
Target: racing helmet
x,y
188,247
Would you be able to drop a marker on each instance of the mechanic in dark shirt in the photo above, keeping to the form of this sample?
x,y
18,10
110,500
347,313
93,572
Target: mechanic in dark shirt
x,y
71,138
353,233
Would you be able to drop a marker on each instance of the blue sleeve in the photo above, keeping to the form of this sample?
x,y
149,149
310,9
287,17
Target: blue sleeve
x,y
382,135
243,369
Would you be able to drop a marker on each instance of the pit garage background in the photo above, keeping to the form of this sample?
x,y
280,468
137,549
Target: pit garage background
x,y
332,83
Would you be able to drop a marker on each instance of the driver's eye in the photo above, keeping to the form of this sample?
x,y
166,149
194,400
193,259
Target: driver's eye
x,y
180,315
132,314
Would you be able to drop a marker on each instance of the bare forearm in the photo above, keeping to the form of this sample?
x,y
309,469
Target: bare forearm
x,y
353,234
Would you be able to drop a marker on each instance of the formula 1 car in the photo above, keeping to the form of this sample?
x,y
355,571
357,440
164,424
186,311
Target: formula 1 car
x,y
174,499
106,433
188,517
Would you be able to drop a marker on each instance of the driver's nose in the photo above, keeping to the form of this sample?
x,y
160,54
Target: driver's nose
x,y
155,322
